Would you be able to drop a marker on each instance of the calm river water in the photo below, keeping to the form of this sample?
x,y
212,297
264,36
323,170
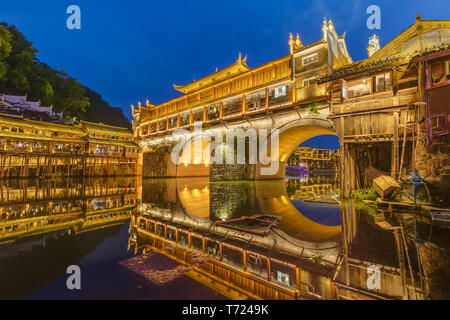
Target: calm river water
x,y
290,237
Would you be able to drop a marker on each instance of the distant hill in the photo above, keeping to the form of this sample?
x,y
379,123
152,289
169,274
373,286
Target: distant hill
x,y
100,111
22,73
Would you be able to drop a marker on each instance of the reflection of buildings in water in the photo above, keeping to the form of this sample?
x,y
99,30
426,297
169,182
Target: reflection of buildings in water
x,y
255,269
398,249
315,161
31,207
314,188
288,262
284,264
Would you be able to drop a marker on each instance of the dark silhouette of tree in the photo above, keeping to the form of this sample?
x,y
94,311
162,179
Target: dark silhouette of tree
x,y
22,73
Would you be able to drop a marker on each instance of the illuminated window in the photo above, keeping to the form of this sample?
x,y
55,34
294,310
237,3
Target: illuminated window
x,y
344,89
383,82
162,125
357,88
309,81
153,126
185,118
310,59
283,278
280,91
198,114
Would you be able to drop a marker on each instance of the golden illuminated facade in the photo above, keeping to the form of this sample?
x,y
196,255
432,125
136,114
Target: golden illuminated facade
x,y
44,149
233,92
239,92
110,150
383,107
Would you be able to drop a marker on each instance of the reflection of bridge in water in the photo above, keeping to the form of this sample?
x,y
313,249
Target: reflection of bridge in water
x,y
304,256
300,258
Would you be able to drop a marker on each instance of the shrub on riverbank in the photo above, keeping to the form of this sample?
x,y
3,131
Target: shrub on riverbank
x,y
367,194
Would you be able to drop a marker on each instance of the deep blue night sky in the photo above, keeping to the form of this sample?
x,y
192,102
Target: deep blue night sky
x,y
133,50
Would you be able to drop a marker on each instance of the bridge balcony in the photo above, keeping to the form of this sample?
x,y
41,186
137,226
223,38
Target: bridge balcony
x,y
310,93
372,101
232,110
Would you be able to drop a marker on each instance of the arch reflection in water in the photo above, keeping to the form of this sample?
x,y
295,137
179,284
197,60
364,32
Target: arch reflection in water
x,y
309,254
298,253
218,201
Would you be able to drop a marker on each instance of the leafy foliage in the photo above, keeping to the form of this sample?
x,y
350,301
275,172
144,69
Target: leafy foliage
x,y
368,194
313,108
22,73
367,208
318,259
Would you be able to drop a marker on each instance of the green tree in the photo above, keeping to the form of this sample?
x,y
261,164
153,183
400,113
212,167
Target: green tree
x,y
21,72
5,50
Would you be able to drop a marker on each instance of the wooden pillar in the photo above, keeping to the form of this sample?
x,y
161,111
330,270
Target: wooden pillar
x,y
333,290
352,168
268,268
298,277
401,260
266,102
420,82
342,151
347,173
244,260
2,165
203,244
395,148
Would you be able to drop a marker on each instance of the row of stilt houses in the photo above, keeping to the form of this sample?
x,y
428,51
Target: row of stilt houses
x,y
391,110
31,148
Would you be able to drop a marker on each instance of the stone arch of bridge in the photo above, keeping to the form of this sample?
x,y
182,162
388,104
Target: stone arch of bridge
x,y
291,135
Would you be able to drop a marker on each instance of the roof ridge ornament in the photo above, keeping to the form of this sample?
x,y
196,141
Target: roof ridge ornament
x,y
291,42
373,46
294,45
298,42
324,28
